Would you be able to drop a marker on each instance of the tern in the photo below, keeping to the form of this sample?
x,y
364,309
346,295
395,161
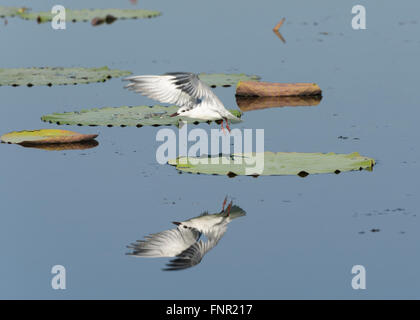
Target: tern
x,y
184,242
184,89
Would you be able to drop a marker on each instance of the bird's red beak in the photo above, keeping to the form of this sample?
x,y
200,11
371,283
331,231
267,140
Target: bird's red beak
x,y
174,114
176,223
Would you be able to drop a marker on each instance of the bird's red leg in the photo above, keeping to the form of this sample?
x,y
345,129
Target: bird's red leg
x,y
227,125
228,208
223,129
224,203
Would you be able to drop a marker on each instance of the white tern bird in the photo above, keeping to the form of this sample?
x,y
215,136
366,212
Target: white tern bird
x,y
184,89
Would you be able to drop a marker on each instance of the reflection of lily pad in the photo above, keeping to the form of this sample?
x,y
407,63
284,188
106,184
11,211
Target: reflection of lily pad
x,y
280,163
84,145
45,136
122,116
225,80
89,14
57,76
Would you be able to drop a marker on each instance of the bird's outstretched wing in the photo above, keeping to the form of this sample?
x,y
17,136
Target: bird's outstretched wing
x,y
183,89
194,254
169,243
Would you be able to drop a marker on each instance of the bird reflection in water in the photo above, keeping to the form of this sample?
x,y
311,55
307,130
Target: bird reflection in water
x,y
185,242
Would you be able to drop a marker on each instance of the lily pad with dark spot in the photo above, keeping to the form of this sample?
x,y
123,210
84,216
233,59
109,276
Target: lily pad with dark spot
x,y
86,15
56,76
138,116
225,79
11,11
273,163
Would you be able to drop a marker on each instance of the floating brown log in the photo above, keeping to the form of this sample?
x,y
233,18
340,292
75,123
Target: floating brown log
x,y
258,103
270,89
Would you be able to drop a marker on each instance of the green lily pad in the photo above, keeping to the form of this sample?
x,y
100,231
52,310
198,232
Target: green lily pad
x,y
225,80
89,14
57,76
123,116
10,11
274,163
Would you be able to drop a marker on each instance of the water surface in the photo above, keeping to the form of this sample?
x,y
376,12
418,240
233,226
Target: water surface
x,y
300,237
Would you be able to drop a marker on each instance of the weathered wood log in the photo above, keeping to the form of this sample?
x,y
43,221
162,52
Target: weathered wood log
x,y
270,89
257,103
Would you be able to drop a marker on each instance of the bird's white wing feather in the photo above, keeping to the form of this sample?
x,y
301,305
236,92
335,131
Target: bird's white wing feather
x,y
167,243
179,88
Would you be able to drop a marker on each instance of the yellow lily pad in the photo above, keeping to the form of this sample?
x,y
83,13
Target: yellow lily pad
x,y
45,136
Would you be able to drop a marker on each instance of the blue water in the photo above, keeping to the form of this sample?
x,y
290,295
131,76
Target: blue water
x,y
300,237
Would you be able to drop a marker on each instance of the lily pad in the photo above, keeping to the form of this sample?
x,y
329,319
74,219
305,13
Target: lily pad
x,y
225,80
10,11
45,136
274,163
123,116
89,14
57,76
